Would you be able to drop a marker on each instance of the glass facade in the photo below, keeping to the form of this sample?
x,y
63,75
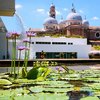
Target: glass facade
x,y
56,55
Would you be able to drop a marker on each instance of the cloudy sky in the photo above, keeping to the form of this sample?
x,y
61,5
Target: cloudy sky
x,y
32,13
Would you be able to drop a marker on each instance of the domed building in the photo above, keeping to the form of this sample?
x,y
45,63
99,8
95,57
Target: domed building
x,y
73,26
62,24
85,23
74,18
50,24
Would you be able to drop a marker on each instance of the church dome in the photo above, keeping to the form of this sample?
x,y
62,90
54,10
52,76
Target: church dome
x,y
74,16
50,20
85,22
62,23
50,24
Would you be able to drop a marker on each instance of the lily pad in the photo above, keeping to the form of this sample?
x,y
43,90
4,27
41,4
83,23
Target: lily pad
x,y
5,82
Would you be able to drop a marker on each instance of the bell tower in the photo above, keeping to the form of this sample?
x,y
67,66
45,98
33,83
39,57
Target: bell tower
x,y
52,11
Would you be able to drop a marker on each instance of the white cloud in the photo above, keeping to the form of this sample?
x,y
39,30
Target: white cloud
x,y
47,13
42,11
95,18
65,9
18,6
81,11
58,12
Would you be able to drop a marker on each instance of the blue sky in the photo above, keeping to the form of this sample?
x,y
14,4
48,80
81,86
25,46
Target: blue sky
x,y
34,12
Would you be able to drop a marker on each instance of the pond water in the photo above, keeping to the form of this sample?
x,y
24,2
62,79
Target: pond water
x,y
83,84
74,67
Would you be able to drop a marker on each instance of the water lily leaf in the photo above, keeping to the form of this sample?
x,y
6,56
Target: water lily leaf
x,y
32,74
5,82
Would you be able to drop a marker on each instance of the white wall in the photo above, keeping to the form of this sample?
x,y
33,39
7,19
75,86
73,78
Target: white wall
x,y
80,46
75,41
82,50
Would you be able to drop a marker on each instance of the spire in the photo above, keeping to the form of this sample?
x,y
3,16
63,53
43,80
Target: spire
x,y
52,11
73,8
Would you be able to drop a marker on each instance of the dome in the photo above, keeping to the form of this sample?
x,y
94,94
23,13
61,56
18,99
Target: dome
x,y
61,21
85,22
50,20
74,16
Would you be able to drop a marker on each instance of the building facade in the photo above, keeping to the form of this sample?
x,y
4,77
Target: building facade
x,y
74,25
62,47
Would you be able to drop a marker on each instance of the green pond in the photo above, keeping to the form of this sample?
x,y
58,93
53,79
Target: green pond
x,y
59,85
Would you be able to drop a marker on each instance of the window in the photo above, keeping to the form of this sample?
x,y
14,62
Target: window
x,y
97,35
70,43
43,42
63,43
46,27
53,27
57,55
32,42
71,55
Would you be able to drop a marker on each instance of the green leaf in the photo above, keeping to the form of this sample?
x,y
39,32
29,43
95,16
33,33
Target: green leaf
x,y
5,82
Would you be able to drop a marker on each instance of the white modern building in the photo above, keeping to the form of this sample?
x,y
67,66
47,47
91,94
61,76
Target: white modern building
x,y
61,47
54,48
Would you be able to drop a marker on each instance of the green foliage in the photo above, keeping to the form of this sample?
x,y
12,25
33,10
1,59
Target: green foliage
x,y
69,71
44,63
32,74
53,89
76,36
39,71
24,73
96,47
46,72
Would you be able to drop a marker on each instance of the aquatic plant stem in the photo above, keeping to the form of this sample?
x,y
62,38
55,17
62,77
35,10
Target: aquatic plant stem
x,y
12,62
14,57
19,61
25,59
